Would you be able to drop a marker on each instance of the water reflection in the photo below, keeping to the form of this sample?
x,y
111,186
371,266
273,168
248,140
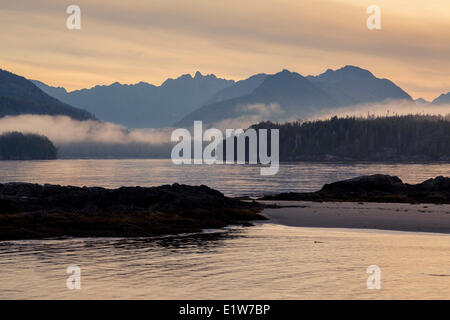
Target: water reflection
x,y
264,262
230,179
58,250
204,242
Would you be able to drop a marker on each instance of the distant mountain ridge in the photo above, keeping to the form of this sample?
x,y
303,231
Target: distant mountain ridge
x,y
442,99
238,89
421,101
142,104
20,96
285,88
300,96
178,102
351,85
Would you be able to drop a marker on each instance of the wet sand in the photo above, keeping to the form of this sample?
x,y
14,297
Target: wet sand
x,y
383,216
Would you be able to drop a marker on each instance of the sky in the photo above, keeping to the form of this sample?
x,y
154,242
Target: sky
x,y
141,40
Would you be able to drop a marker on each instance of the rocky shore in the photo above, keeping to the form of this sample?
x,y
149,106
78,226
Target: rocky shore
x,y
32,211
375,188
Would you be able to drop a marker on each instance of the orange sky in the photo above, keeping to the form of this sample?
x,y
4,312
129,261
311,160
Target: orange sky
x,y
134,40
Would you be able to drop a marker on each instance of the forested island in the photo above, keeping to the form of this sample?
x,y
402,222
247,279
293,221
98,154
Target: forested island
x,y
395,138
19,146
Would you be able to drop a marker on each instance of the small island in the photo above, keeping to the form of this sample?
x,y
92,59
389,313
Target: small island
x,y
20,146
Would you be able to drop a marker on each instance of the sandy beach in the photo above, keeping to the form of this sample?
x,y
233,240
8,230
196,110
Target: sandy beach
x,y
383,216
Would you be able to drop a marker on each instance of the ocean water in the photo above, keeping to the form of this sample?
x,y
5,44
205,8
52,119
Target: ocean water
x,y
267,261
233,180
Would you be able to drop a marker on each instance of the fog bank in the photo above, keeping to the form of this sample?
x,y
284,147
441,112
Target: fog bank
x,y
84,139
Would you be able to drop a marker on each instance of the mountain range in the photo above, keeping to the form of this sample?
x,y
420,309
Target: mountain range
x,y
442,99
180,101
299,96
20,96
143,105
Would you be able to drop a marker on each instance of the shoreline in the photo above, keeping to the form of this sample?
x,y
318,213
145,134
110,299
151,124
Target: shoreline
x,y
404,217
378,188
380,202
33,211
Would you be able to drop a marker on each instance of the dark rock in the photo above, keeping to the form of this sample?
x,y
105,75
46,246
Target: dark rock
x,y
38,211
375,188
437,184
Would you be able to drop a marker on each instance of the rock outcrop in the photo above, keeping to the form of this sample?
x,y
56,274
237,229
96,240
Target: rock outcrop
x,y
29,211
375,188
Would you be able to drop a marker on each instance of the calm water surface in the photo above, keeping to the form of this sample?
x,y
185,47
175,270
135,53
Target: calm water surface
x,y
230,179
267,261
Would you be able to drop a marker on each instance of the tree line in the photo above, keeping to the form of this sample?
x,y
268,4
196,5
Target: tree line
x,y
19,146
390,138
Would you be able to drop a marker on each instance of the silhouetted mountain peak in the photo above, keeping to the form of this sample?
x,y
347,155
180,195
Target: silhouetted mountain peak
x,y
301,96
188,77
143,84
199,76
354,70
283,82
442,99
54,90
282,77
143,104
353,85
239,88
285,73
19,95
348,73
421,101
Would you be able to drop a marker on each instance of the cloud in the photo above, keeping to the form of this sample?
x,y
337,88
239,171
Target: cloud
x,y
91,138
388,108
63,130
257,113
153,40
252,114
